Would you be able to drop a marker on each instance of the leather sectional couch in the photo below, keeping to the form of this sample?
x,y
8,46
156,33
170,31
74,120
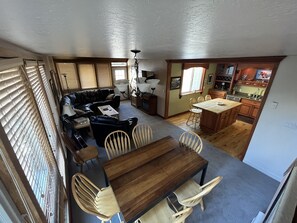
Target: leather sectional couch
x,y
89,100
103,125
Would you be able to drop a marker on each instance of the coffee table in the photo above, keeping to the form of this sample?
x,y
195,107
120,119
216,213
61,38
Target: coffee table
x,y
109,111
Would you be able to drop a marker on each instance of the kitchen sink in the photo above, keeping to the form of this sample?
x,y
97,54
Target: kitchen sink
x,y
233,98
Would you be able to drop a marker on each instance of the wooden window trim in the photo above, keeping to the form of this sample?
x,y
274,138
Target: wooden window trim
x,y
192,65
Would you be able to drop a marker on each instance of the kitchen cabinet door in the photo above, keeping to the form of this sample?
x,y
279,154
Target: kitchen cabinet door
x,y
249,108
245,109
233,115
254,112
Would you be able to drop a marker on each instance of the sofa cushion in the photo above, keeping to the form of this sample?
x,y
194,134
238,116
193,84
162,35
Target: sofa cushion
x,y
103,119
84,107
105,92
109,97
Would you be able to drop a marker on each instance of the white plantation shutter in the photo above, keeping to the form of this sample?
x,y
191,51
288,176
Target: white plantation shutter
x,y
51,129
20,119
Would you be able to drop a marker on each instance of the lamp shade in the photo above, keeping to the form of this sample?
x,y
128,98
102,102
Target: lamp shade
x,y
153,83
143,87
68,110
121,87
141,80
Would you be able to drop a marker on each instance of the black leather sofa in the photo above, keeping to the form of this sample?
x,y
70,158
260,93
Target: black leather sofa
x,y
103,125
88,100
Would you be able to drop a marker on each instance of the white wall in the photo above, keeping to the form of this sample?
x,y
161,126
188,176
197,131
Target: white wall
x,y
274,143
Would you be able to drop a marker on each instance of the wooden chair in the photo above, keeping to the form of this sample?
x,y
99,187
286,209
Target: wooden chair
x,y
200,99
163,213
191,140
191,193
117,143
207,97
80,156
142,135
195,113
93,200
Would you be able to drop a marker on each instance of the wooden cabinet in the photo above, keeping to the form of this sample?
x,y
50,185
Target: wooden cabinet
x,y
246,74
217,93
147,103
224,76
252,83
215,117
249,108
136,101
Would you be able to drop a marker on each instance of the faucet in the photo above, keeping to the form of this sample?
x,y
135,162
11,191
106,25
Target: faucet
x,y
256,94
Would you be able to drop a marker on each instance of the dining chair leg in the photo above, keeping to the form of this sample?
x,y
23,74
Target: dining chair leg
x,y
120,220
202,205
168,199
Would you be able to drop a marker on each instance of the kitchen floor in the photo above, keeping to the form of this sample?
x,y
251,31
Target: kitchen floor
x,y
232,140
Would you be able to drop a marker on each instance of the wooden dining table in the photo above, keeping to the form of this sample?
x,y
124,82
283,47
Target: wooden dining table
x,y
142,178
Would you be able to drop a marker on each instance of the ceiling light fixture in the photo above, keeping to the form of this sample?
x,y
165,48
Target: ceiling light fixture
x,y
136,65
136,70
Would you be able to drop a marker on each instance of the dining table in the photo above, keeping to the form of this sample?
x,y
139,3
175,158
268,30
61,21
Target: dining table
x,y
145,176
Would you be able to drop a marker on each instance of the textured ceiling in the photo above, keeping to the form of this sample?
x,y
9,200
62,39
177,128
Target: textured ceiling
x,y
161,29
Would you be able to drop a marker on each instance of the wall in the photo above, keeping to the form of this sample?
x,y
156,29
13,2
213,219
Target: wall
x,y
274,143
250,90
159,67
183,103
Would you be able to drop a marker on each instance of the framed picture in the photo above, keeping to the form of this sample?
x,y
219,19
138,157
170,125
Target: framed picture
x,y
175,83
209,79
263,74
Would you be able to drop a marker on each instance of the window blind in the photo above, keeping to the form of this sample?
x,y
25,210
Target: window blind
x,y
87,76
37,83
20,120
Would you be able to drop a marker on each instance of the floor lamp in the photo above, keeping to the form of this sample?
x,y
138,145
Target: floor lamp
x,y
65,76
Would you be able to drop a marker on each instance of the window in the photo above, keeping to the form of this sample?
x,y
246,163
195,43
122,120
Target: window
x,y
87,76
37,82
119,74
21,121
119,71
68,76
80,74
192,79
104,75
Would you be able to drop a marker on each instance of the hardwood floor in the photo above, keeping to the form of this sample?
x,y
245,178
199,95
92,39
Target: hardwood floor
x,y
232,139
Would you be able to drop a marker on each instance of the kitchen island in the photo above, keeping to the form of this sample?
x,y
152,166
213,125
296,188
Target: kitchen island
x,y
217,114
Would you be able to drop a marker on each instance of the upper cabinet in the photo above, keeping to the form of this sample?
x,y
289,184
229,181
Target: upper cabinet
x,y
257,75
249,74
224,76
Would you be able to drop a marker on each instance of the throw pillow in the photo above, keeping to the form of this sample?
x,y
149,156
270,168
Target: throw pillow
x,y
109,97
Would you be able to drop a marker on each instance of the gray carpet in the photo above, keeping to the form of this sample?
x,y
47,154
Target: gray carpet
x,y
242,193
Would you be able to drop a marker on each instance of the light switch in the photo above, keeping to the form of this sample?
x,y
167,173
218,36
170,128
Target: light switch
x,y
274,104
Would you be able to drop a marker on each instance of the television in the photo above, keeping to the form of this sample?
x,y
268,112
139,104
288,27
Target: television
x,y
264,75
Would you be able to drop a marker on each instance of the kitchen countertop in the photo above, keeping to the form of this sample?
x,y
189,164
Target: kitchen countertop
x,y
245,96
217,105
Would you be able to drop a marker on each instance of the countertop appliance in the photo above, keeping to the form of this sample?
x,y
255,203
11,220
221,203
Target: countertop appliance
x,y
233,98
